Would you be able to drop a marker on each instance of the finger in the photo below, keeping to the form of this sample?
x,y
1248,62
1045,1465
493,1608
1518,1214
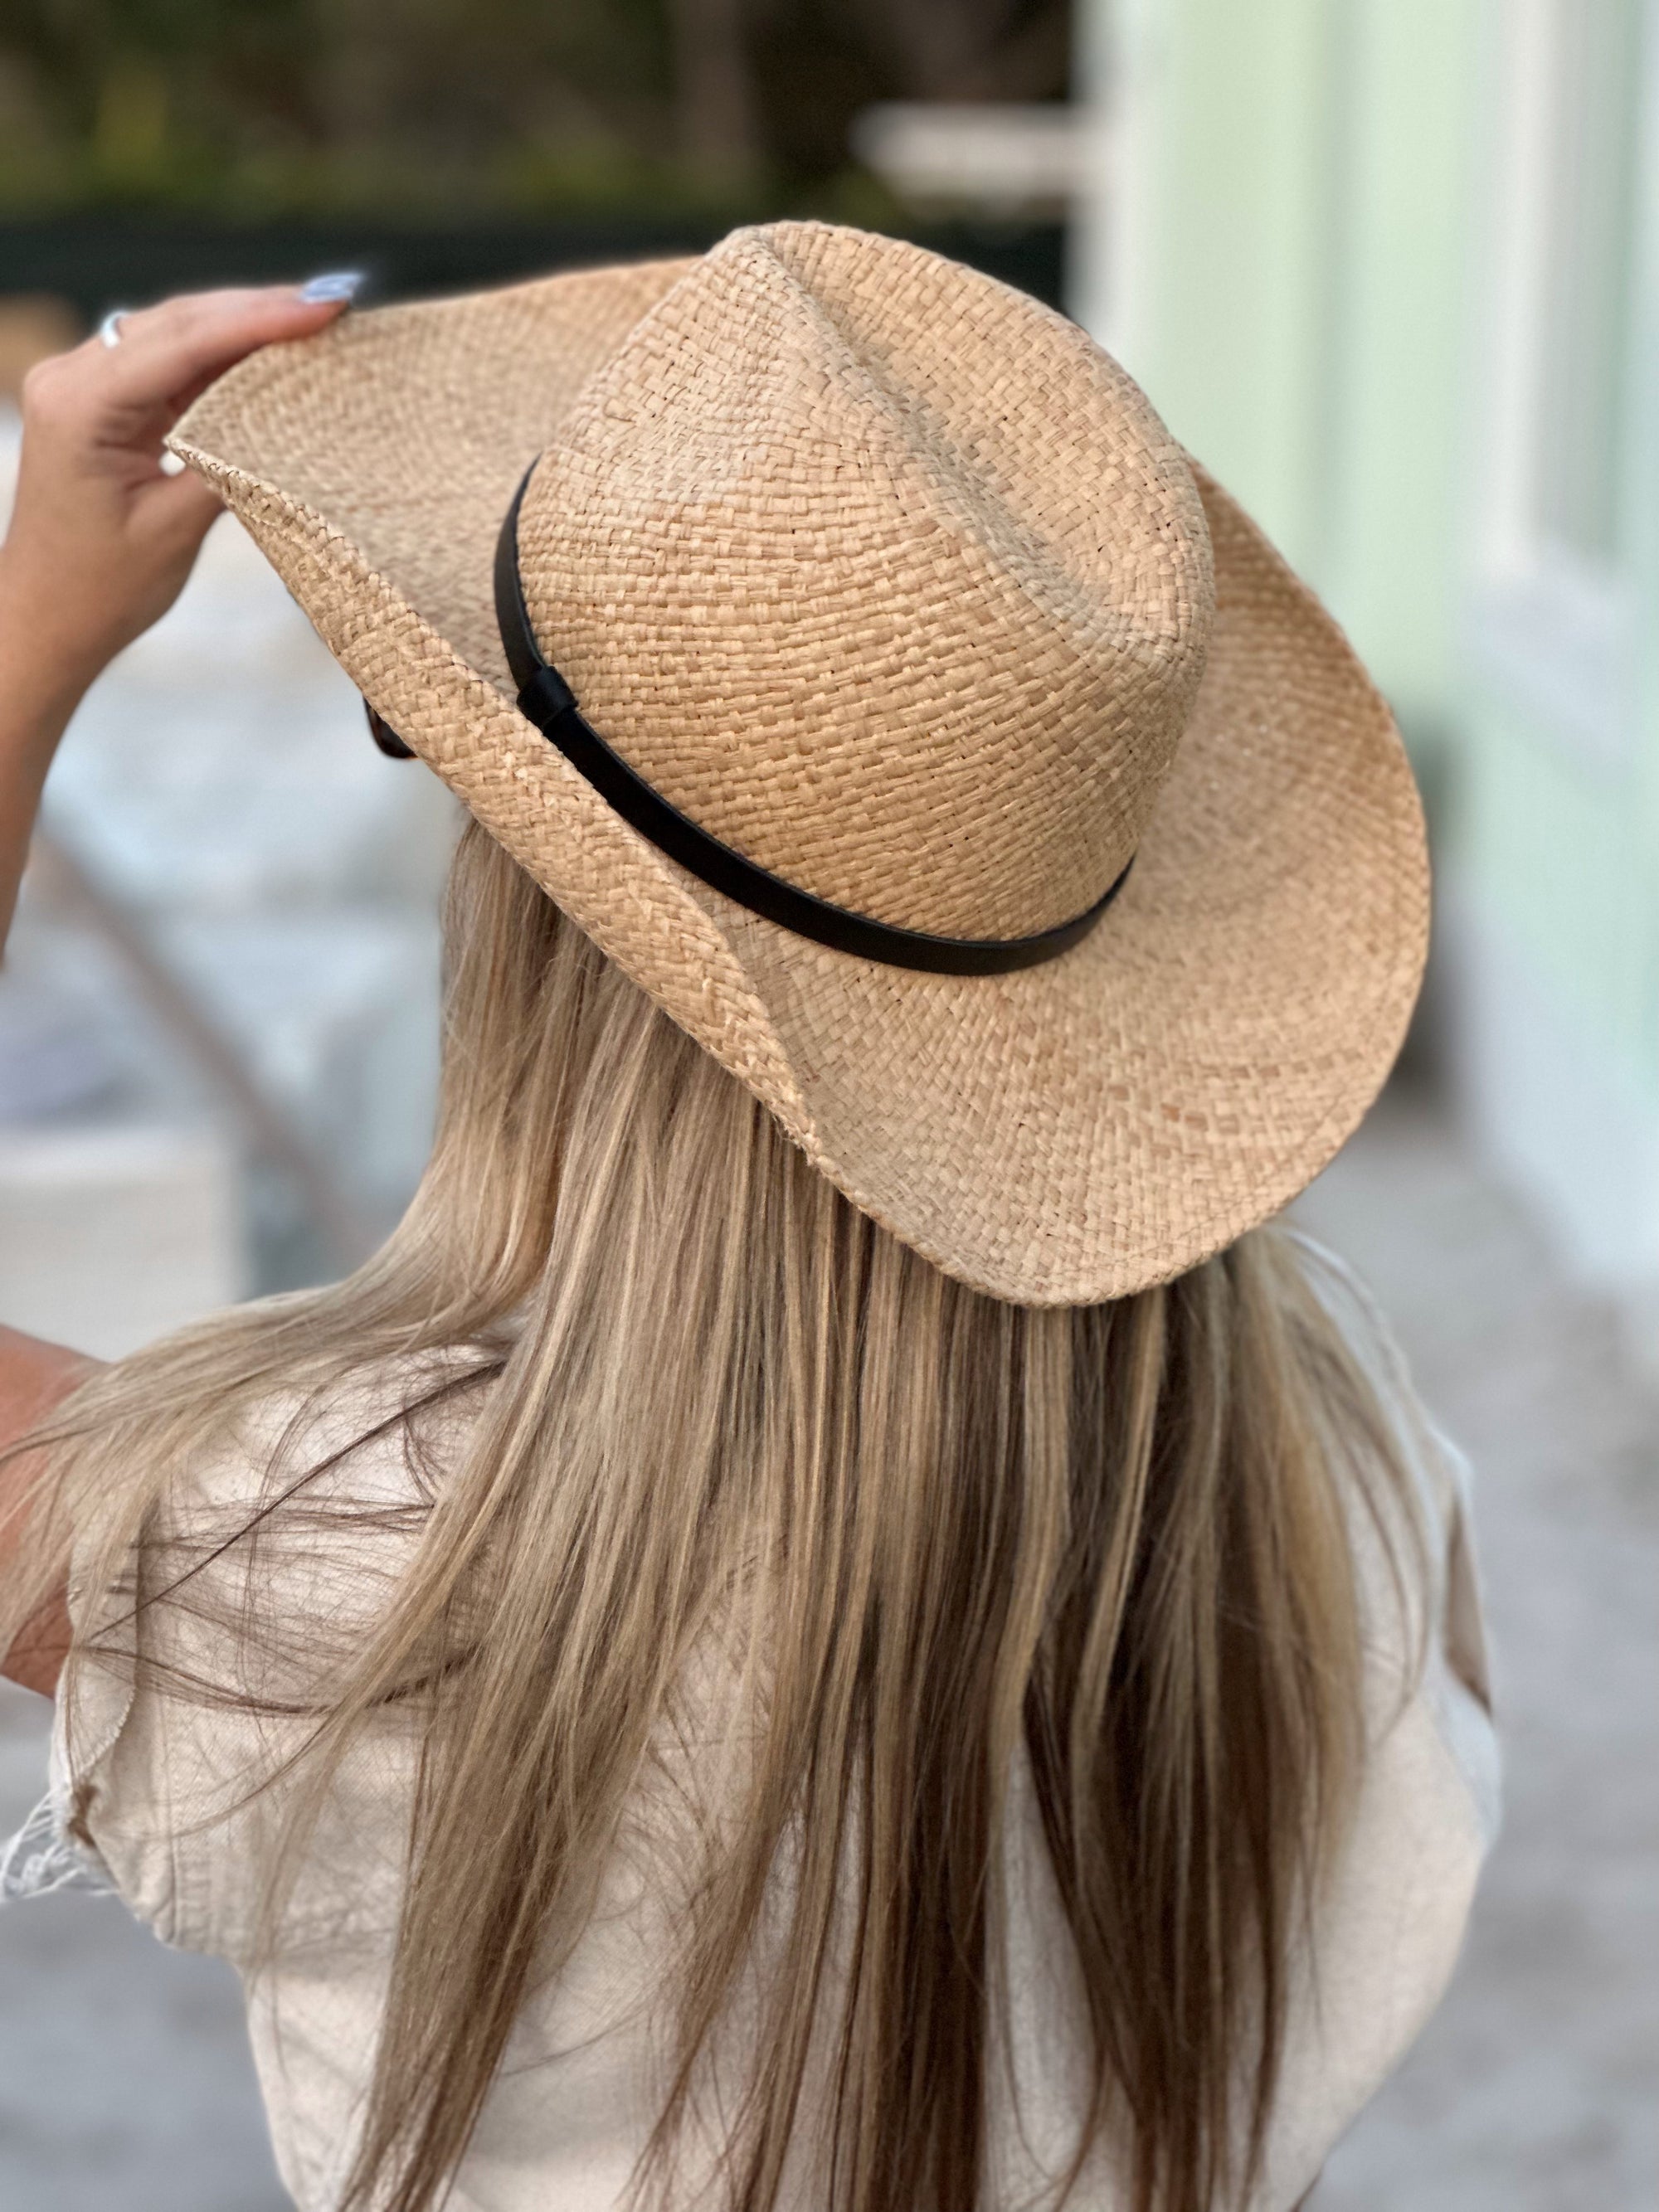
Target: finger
x,y
167,351
178,510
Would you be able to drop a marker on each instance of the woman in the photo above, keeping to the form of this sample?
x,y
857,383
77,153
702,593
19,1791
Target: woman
x,y
831,1624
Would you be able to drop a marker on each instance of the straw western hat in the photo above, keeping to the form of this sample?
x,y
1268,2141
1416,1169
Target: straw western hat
x,y
841,639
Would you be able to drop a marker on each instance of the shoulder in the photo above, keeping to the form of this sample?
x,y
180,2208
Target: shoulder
x,y
278,1539
1435,1468
1420,1567
385,1429
207,1652
301,1518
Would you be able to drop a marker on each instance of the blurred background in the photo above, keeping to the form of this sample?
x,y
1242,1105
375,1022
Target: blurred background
x,y
1391,268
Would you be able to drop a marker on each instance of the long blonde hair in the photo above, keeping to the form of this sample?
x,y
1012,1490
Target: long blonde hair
x,y
933,1535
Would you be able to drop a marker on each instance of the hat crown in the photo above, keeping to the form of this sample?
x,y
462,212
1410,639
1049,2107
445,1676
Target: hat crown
x,y
812,524
883,574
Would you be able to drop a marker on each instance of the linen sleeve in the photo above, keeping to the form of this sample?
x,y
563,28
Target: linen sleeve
x,y
1456,1678
1391,1925
194,1693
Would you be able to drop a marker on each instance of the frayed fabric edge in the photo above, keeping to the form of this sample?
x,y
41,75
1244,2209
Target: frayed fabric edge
x,y
43,1858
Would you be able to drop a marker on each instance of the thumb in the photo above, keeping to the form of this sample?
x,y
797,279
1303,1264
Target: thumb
x,y
176,513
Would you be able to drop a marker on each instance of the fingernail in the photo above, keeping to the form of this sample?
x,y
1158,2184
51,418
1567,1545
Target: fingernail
x,y
339,284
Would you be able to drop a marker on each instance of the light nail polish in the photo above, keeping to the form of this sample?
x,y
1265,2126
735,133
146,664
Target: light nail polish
x,y
339,284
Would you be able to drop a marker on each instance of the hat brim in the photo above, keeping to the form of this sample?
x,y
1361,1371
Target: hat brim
x,y
1063,1134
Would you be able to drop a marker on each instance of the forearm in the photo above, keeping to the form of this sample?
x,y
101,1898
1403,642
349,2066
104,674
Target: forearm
x,y
39,690
101,538
35,1377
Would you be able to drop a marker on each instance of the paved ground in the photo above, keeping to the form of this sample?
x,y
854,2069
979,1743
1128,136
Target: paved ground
x,y
1534,2089
125,2084
124,2078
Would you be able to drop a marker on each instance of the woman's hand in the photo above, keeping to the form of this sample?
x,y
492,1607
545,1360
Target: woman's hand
x,y
101,537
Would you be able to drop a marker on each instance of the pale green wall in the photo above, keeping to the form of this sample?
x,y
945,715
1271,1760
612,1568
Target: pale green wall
x,y
1293,256
1553,849
1405,154
1298,280
1558,845
1641,509
1232,328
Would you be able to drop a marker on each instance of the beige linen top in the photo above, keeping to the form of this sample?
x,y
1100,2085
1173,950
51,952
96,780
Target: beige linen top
x,y
582,2076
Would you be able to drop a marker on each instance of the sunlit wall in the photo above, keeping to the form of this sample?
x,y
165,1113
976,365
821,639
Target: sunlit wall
x,y
1388,267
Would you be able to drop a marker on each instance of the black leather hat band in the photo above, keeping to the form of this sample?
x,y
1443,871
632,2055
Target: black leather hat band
x,y
546,700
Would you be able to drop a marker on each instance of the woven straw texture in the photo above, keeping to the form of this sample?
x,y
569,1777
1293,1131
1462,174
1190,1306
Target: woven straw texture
x,y
890,578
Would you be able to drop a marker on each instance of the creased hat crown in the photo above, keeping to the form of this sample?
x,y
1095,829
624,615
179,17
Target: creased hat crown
x,y
891,580
883,574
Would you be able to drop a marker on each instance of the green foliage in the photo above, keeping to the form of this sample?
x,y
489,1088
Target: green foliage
x,y
428,108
